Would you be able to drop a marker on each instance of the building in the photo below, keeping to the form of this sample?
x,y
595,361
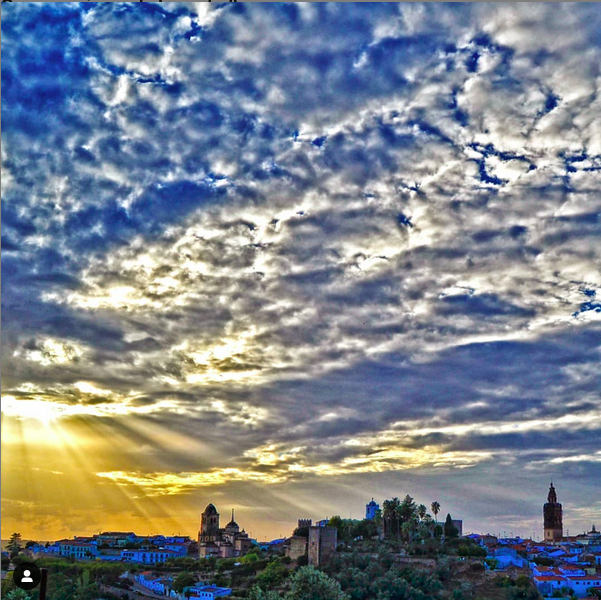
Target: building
x,y
147,556
322,544
178,548
302,523
116,538
159,585
296,546
552,517
549,579
371,508
205,592
224,542
507,557
78,550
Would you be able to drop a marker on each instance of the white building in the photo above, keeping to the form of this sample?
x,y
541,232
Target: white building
x,y
549,579
205,592
78,550
147,556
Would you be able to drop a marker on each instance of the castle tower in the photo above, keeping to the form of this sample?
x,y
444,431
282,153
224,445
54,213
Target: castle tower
x,y
552,517
209,524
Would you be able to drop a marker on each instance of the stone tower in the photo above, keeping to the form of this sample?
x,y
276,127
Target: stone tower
x,y
553,517
322,544
209,524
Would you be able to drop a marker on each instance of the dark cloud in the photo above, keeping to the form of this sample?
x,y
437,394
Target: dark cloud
x,y
349,233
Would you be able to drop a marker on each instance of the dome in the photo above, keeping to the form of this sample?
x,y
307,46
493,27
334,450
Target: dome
x,y
232,524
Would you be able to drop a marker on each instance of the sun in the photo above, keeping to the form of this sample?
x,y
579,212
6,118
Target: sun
x,y
40,410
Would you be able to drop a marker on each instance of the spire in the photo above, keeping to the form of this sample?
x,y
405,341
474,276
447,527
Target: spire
x,y
552,497
232,515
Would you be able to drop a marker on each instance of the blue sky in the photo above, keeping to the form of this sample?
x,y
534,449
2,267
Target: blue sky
x,y
287,257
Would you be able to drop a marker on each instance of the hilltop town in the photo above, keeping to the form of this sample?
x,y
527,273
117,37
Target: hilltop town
x,y
399,550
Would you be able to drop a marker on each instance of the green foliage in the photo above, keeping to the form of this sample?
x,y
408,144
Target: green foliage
x,y
17,594
366,529
450,531
249,558
226,564
301,561
522,581
471,549
310,584
492,563
256,593
86,588
15,545
520,593
438,530
477,567
301,531
272,575
379,577
183,580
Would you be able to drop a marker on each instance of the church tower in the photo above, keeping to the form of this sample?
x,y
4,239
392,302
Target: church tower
x,y
209,524
553,517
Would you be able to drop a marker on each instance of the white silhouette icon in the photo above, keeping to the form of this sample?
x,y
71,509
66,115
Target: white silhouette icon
x,y
26,577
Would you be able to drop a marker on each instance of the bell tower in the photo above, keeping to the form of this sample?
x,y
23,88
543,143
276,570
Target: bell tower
x,y
209,524
552,517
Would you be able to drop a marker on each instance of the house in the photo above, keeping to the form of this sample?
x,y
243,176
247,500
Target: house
x,y
180,549
147,556
205,592
78,550
582,584
116,538
507,556
549,579
547,584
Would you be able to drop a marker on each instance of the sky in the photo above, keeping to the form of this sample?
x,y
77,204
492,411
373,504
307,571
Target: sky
x,y
289,257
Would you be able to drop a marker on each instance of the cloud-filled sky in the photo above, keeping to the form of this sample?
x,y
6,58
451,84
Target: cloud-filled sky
x,y
287,257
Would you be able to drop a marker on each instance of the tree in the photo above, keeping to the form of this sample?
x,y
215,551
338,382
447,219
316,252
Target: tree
x,y
183,580
422,511
435,506
14,545
301,531
274,573
249,558
256,593
310,584
86,589
390,517
450,531
17,594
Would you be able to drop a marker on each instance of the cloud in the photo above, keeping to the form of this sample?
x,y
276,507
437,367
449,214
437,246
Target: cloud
x,y
364,237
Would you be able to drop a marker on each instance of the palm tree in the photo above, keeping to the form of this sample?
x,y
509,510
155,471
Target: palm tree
x,y
435,510
390,517
422,511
